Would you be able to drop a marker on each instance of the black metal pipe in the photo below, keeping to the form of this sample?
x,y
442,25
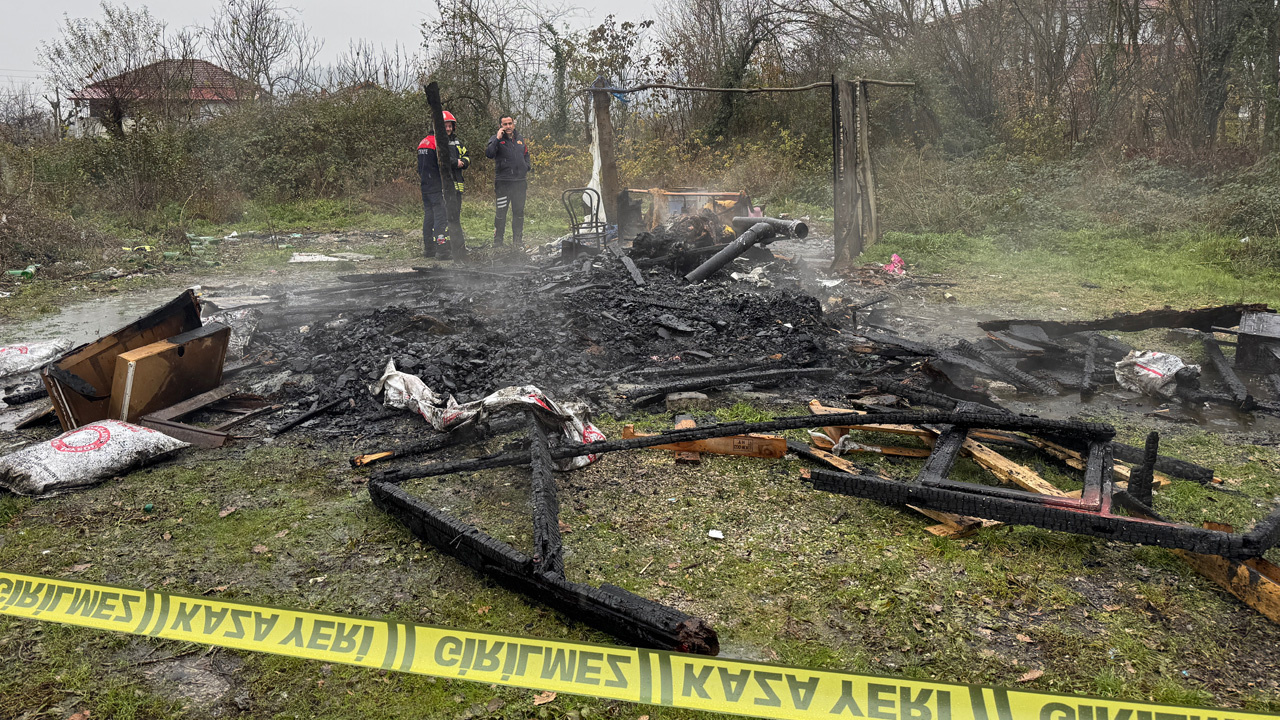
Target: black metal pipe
x,y
784,228
759,231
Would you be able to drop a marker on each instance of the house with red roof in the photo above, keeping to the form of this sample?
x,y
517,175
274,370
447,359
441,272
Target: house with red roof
x,y
168,90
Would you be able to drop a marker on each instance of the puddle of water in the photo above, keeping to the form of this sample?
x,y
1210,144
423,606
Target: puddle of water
x,y
88,319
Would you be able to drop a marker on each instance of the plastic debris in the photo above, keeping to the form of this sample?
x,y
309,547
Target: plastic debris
x,y
756,276
896,266
82,457
243,323
402,390
715,534
1151,372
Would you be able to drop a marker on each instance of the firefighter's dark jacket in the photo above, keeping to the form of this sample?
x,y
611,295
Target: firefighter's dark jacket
x,y
510,157
429,168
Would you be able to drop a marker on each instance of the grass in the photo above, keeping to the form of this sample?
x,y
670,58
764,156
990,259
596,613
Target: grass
x,y
802,577
1086,272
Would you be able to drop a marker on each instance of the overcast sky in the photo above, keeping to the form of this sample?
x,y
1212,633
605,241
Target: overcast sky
x,y
383,22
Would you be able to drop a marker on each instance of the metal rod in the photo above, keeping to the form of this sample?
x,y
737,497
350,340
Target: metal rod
x,y
785,228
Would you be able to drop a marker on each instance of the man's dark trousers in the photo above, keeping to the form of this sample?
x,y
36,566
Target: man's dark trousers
x,y
435,221
509,193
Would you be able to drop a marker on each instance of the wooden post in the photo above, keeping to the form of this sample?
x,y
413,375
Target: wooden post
x,y
609,188
845,157
864,160
452,198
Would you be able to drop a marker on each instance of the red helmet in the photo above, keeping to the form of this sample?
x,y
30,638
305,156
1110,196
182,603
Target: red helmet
x,y
448,117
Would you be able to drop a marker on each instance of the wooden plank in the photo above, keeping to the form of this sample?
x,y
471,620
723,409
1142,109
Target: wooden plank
x,y
1253,581
1008,470
848,198
997,464
868,176
1076,460
952,525
762,446
684,422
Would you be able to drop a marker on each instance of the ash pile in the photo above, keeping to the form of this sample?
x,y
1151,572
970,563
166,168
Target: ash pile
x,y
584,331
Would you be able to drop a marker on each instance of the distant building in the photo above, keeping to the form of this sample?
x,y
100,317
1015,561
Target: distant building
x,y
170,90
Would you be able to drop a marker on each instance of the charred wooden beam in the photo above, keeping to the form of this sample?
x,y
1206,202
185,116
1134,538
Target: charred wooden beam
x,y
945,451
1026,512
1007,369
1141,479
1239,393
464,434
987,420
452,198
765,378
1165,464
1202,319
608,608
309,415
1087,385
548,556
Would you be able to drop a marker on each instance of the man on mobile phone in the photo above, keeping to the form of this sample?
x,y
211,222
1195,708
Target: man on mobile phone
x,y
510,180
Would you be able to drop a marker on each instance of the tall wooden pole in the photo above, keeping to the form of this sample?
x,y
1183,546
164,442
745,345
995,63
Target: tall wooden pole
x,y
848,197
609,187
452,198
864,159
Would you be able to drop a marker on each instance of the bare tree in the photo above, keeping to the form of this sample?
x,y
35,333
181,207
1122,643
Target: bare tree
x,y
718,42
264,43
362,64
24,119
101,52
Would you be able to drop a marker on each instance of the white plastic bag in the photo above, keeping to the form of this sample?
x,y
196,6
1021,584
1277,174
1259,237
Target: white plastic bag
x,y
243,323
22,358
406,391
1150,372
82,457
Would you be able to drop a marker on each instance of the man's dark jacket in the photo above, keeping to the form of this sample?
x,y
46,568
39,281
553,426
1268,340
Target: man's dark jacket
x,y
510,157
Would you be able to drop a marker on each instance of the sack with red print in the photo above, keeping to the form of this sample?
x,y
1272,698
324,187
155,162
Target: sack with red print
x,y
82,457
1151,372
21,358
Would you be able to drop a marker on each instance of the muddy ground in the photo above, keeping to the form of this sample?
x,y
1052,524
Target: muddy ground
x,y
801,577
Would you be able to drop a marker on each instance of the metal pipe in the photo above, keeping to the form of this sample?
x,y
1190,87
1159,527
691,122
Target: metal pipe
x,y
784,228
759,231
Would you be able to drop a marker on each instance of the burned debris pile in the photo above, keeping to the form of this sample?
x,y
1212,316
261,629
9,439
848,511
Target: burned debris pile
x,y
573,331
481,353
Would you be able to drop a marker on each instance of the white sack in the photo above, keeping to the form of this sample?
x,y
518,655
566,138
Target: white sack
x,y
25,357
1150,372
82,457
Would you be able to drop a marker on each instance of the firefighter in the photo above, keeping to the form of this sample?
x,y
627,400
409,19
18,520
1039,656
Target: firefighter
x,y
511,168
435,216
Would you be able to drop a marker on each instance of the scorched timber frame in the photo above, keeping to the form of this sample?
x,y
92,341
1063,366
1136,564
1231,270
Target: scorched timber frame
x,y
609,608
1090,514
646,623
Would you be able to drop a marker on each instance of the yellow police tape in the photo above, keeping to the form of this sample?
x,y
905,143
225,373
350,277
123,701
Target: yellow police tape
x,y
616,673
